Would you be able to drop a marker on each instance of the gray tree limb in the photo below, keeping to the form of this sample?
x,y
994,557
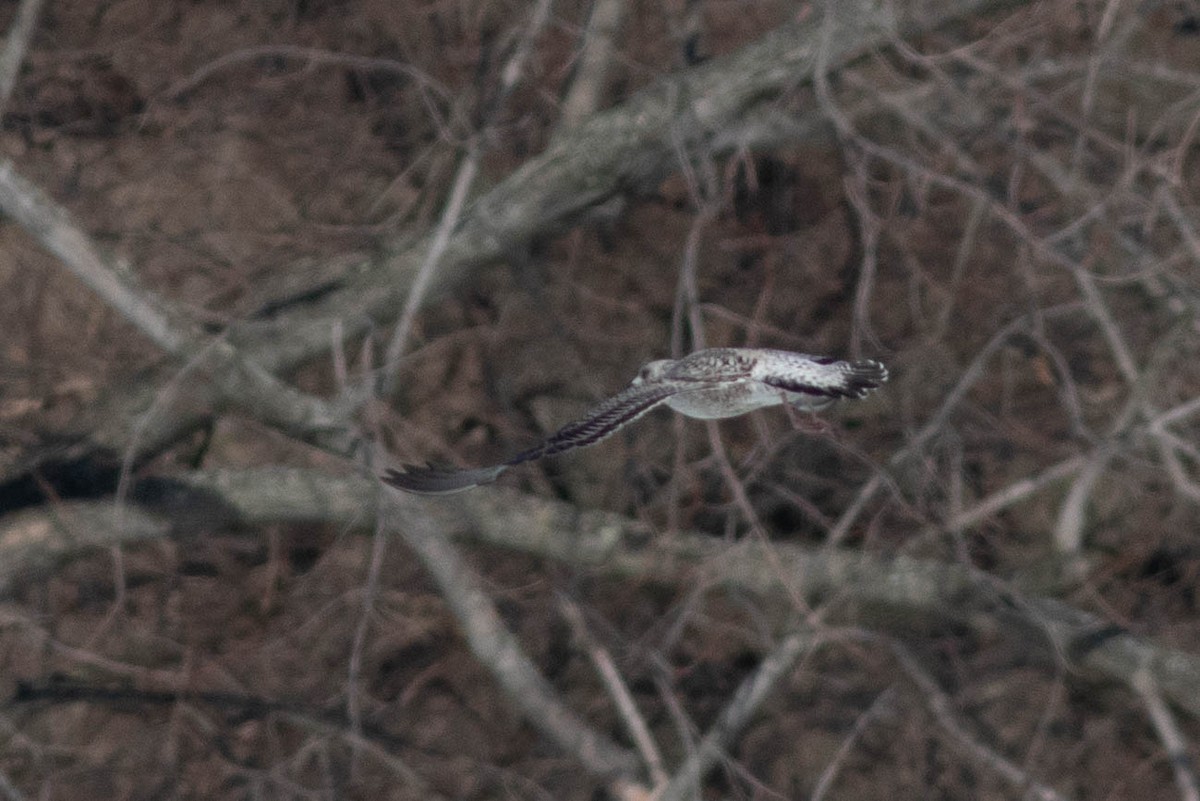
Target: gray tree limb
x,y
888,592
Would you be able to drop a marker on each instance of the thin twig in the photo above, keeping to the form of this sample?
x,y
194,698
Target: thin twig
x,y
379,541
1167,451
365,744
869,227
1175,414
1072,515
595,59
1168,732
1015,493
635,723
312,55
13,55
1108,326
9,789
745,702
513,71
972,374
829,775
501,653
962,256
1186,227
948,719
868,224
451,214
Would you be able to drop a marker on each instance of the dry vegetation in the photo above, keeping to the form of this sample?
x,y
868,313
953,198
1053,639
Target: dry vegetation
x,y
253,251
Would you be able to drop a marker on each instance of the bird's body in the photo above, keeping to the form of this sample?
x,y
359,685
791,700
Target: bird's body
x,y
709,384
727,382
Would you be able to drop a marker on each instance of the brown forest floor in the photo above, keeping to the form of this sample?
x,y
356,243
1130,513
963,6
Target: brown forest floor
x,y
217,178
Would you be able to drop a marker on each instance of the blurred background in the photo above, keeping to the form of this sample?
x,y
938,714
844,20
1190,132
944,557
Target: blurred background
x,y
253,253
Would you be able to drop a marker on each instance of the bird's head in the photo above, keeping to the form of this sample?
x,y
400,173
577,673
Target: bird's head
x,y
652,371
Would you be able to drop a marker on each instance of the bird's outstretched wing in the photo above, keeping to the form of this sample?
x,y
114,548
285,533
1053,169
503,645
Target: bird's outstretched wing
x,y
829,378
600,423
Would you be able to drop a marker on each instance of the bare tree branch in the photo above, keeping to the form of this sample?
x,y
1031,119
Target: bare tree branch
x,y
35,541
240,381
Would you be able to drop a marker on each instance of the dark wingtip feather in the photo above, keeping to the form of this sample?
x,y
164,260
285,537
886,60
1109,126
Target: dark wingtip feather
x,y
430,480
864,376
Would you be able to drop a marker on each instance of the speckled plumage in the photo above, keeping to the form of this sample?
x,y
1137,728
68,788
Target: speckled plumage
x,y
708,384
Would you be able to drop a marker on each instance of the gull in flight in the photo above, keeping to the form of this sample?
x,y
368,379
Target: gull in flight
x,y
708,384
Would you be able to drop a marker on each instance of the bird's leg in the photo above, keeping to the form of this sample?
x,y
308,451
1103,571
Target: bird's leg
x,y
806,420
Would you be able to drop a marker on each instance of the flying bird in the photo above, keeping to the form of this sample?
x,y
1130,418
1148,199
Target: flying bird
x,y
708,384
